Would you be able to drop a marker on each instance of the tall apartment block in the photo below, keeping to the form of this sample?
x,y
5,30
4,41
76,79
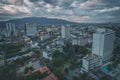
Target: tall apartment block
x,y
102,49
65,32
103,43
31,28
11,30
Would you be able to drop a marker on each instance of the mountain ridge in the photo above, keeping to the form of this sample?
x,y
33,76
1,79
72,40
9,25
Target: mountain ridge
x,y
40,20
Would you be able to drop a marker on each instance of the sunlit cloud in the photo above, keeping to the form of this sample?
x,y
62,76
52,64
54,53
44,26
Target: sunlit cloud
x,y
10,9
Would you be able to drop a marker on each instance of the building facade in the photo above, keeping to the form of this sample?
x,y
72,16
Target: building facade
x,y
90,62
82,41
65,32
103,43
11,30
31,28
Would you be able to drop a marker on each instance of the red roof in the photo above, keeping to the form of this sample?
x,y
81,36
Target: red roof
x,y
44,69
51,77
41,70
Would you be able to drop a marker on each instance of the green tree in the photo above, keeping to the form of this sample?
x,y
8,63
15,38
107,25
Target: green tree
x,y
110,67
84,76
35,76
58,61
66,70
115,64
8,72
58,73
27,69
104,78
75,78
56,53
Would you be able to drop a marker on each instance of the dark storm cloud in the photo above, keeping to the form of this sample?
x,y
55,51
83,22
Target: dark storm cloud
x,y
49,1
110,16
4,2
74,10
34,0
5,14
111,3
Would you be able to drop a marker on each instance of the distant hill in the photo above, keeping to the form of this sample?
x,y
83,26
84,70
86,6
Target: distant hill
x,y
41,20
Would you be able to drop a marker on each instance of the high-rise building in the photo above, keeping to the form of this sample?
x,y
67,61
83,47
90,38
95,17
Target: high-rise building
x,y
80,40
31,28
103,43
11,30
65,32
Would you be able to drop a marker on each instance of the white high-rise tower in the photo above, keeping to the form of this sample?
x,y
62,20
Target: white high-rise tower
x,y
11,29
65,32
31,28
103,43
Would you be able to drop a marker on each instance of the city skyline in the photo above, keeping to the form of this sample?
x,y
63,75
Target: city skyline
x,y
86,11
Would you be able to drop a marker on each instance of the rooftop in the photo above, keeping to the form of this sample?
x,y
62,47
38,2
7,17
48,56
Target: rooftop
x,y
41,69
90,57
104,30
51,77
44,69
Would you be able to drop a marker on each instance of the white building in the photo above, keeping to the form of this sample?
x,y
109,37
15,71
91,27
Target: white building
x,y
31,28
82,41
19,57
47,55
103,43
90,62
34,45
11,30
65,32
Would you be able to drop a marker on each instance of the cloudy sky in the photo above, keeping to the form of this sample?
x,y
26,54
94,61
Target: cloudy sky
x,y
72,10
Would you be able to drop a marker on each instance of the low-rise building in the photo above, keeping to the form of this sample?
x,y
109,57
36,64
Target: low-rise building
x,y
19,57
82,41
90,62
45,69
47,55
